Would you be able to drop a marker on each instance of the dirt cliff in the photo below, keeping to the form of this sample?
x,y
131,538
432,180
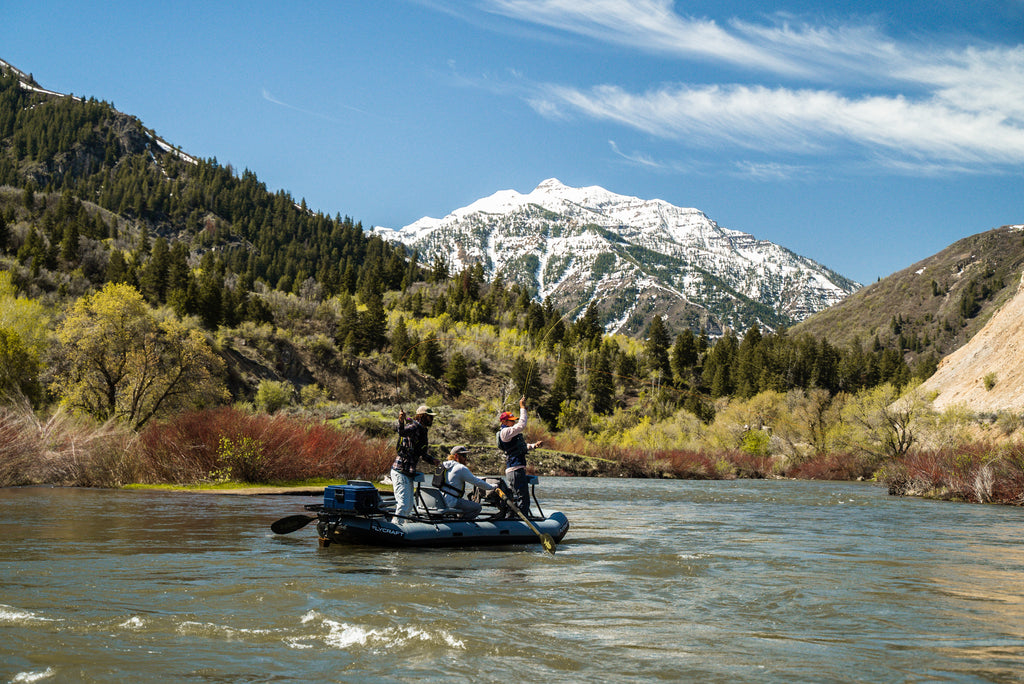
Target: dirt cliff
x,y
987,373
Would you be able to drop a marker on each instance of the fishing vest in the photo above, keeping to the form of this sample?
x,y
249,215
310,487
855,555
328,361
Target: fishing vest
x,y
411,447
515,450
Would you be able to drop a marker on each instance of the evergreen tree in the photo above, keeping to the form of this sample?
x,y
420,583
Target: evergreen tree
x,y
588,328
563,388
348,321
600,385
431,357
457,375
684,356
656,349
826,367
210,301
373,325
719,365
117,270
153,280
526,379
178,273
400,342
69,243
749,364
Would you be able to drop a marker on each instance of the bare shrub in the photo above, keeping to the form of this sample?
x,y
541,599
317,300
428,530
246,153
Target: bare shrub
x,y
833,466
64,450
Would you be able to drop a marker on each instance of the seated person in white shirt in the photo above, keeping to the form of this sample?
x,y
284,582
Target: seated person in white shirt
x,y
456,477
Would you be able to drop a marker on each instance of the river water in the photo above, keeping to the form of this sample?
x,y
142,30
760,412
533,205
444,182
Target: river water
x,y
741,581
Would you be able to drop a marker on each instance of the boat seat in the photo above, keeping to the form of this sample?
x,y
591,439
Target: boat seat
x,y
430,501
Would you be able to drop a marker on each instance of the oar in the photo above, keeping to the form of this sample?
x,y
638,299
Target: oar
x,y
292,523
545,539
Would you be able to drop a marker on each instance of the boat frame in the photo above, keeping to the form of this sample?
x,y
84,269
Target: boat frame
x,y
358,513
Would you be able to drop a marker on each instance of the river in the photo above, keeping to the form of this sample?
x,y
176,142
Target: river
x,y
734,581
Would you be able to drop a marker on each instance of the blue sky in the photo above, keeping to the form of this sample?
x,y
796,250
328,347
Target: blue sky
x,y
866,135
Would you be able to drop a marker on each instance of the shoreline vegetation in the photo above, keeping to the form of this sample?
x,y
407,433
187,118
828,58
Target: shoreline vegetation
x,y
232,448
168,319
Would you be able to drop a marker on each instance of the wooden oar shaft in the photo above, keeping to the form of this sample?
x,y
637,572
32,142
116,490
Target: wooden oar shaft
x,y
545,539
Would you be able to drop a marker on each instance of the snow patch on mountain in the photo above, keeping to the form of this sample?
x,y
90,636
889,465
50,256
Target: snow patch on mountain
x,y
633,258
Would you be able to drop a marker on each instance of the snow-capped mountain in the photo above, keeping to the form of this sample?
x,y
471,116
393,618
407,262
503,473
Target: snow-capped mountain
x,y
633,258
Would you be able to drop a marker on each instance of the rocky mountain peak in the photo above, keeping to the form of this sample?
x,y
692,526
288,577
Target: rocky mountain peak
x,y
633,258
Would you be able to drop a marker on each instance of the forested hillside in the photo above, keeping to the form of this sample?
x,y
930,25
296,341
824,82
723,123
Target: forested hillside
x,y
92,197
138,283
930,308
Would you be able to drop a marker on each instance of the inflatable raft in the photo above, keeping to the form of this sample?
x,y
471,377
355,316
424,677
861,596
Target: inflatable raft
x,y
358,513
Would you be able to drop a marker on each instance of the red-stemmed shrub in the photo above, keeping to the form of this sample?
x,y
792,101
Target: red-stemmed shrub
x,y
228,443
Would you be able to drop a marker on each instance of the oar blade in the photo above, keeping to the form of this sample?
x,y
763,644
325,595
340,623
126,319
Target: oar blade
x,y
548,543
291,523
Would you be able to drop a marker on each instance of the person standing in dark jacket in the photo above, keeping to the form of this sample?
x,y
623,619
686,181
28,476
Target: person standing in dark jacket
x,y
412,446
515,447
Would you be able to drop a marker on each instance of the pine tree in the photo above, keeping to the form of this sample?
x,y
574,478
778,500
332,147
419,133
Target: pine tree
x,y
153,280
373,325
117,270
69,243
457,375
564,386
600,385
657,348
400,342
526,379
684,355
431,357
5,234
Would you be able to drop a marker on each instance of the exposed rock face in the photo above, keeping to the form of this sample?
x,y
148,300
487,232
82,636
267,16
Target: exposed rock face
x,y
632,258
987,373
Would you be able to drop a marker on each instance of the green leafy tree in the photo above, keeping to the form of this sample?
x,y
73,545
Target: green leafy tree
x,y
273,395
25,317
886,422
121,361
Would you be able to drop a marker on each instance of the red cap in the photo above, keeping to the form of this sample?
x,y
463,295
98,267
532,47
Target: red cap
x,y
505,415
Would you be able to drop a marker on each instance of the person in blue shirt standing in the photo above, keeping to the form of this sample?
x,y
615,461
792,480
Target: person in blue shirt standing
x,y
512,442
412,446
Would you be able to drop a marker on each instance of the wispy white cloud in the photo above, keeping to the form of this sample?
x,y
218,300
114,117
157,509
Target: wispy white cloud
x,y
273,100
801,121
768,171
933,106
647,25
635,158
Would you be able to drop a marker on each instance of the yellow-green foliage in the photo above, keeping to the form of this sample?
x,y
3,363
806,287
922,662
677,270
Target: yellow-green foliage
x,y
26,317
677,432
947,429
125,361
